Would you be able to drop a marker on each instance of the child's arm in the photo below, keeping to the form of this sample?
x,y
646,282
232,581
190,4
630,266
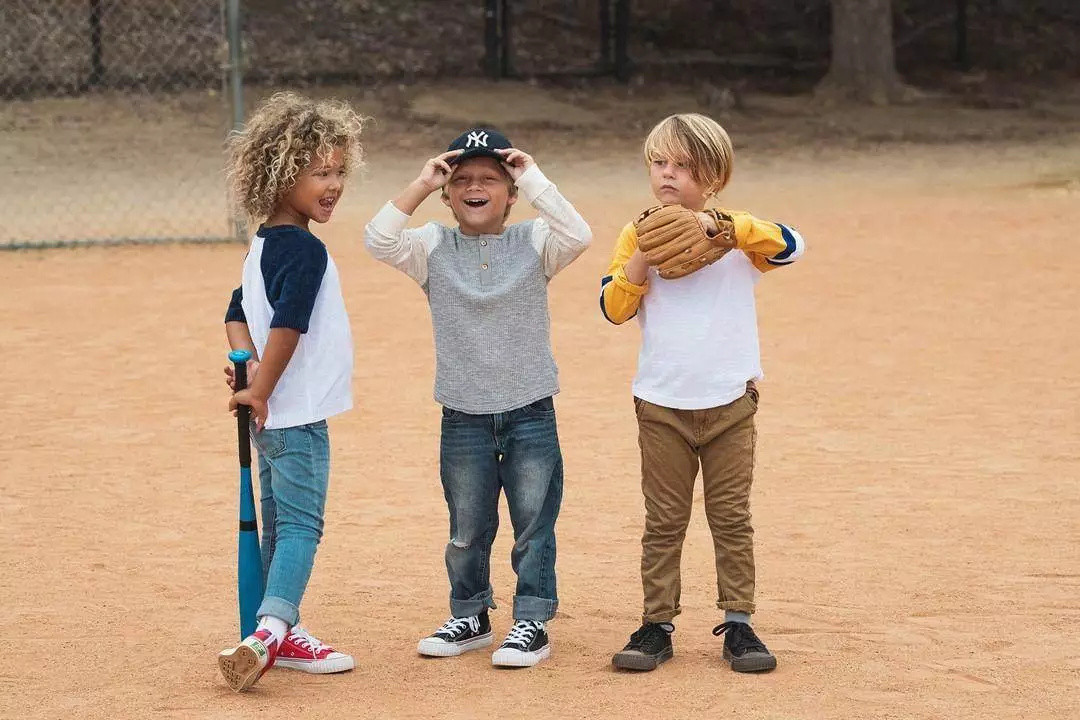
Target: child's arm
x,y
386,236
280,346
625,281
236,331
769,245
560,235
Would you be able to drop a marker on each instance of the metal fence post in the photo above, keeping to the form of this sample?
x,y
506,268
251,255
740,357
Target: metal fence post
x,y
236,87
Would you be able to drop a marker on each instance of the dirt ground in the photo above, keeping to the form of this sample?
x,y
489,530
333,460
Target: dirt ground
x,y
916,499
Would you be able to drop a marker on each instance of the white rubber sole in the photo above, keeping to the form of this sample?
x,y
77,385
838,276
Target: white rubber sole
x,y
318,667
240,667
436,647
508,657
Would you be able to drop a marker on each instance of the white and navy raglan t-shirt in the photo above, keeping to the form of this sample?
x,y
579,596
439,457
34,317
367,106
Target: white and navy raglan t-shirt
x,y
290,281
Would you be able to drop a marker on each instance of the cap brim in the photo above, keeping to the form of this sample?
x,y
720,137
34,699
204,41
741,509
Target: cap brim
x,y
476,152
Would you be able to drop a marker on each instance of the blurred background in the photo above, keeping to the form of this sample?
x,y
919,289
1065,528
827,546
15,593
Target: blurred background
x,y
112,112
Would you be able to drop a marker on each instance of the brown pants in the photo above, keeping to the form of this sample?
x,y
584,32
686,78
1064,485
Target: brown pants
x,y
673,443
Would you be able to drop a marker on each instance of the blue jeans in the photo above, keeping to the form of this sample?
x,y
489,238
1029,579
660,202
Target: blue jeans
x,y
518,452
294,470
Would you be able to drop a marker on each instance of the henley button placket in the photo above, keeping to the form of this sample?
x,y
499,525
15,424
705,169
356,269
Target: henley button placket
x,y
485,261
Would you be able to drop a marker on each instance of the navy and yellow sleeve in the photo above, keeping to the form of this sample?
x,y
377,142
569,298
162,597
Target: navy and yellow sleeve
x,y
620,298
235,313
769,245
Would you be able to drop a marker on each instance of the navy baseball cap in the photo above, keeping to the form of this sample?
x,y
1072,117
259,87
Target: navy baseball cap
x,y
479,142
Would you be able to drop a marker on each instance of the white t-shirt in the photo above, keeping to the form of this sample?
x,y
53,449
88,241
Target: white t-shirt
x,y
699,337
317,382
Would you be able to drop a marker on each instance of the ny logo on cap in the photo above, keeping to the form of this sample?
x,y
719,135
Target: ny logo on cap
x,y
477,139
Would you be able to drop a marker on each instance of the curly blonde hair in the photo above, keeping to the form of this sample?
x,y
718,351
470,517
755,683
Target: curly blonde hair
x,y
284,135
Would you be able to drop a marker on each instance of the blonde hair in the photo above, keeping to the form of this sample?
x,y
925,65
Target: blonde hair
x,y
697,141
284,135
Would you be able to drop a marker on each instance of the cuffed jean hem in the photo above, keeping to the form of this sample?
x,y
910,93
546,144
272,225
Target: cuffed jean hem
x,y
659,617
534,608
472,606
279,608
736,605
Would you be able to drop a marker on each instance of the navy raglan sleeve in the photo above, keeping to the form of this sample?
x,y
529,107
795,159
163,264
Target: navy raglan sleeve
x,y
235,313
293,269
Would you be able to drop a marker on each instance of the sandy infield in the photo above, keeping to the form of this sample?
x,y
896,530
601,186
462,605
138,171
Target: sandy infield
x,y
916,499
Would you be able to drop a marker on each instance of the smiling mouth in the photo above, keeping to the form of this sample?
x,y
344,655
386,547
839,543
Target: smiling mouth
x,y
328,203
476,203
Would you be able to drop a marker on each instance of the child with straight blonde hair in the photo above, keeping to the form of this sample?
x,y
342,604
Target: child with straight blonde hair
x,y
694,393
286,168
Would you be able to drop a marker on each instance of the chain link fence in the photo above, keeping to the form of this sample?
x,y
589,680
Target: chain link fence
x,y
112,120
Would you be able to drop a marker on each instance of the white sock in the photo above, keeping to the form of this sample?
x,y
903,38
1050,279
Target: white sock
x,y
734,616
277,627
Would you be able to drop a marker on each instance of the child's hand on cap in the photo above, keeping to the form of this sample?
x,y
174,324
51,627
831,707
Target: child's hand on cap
x,y
516,161
437,170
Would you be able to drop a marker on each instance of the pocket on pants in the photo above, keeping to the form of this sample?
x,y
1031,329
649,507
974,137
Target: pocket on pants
x,y
639,406
270,443
752,392
543,406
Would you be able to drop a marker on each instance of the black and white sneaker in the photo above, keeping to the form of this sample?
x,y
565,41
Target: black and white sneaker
x,y
456,636
525,645
649,646
744,649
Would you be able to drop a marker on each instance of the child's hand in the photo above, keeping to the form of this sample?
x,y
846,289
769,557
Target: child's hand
x,y
636,268
516,162
230,377
437,170
709,223
258,407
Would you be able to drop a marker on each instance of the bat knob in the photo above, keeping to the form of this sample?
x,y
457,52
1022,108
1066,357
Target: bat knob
x,y
239,356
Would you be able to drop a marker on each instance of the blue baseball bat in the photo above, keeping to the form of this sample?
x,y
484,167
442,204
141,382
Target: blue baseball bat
x,y
249,573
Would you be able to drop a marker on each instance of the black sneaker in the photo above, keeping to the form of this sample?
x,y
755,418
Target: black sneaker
x,y
743,649
525,645
456,636
649,646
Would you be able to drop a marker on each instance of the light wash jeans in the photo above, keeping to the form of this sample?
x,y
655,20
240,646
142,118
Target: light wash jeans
x,y
517,452
294,470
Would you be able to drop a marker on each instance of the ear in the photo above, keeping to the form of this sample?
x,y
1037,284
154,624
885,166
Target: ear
x,y
445,199
511,199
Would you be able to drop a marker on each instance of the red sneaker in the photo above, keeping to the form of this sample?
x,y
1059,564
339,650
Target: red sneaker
x,y
302,651
244,664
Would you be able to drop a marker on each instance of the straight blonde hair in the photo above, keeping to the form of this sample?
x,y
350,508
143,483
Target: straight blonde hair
x,y
697,141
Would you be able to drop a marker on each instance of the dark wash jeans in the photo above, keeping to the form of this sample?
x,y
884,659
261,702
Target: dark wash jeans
x,y
516,451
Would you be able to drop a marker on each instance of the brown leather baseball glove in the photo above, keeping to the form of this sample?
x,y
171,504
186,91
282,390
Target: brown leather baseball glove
x,y
675,242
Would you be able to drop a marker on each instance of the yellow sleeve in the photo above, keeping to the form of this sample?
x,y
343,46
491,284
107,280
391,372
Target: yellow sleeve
x,y
769,245
619,298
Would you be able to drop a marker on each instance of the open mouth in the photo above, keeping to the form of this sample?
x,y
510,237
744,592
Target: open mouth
x,y
328,203
476,202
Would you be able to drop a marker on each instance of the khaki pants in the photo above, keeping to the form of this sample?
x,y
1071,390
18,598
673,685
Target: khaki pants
x,y
673,444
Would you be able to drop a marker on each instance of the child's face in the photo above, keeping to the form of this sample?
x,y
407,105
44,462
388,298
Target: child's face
x,y
318,188
673,184
478,193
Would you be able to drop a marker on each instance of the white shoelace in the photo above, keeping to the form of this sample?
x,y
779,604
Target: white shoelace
x,y
523,632
306,640
454,626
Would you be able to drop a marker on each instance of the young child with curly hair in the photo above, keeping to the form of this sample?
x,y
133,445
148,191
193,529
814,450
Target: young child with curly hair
x,y
287,167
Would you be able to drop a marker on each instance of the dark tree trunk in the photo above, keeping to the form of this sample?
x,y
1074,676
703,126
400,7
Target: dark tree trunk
x,y
863,66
